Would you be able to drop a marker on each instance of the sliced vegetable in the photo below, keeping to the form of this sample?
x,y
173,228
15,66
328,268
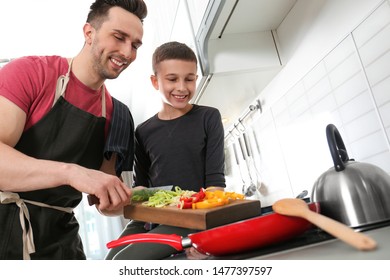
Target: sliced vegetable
x,y
204,199
210,203
185,203
142,194
199,196
223,194
163,198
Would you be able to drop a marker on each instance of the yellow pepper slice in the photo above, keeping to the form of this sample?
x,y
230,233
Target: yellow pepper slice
x,y
223,194
209,203
216,198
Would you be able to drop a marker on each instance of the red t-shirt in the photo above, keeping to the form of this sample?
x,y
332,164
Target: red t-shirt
x,y
30,83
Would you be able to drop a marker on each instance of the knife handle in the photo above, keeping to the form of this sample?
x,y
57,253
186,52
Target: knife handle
x,y
92,199
172,240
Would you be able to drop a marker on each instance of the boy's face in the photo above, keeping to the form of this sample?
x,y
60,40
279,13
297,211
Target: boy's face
x,y
176,81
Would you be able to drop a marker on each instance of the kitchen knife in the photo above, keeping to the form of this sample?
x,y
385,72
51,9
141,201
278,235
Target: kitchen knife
x,y
92,199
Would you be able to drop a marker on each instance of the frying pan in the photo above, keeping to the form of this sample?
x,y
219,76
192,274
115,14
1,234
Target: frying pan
x,y
232,238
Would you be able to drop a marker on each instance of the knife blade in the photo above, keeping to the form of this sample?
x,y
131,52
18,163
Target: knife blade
x,y
92,199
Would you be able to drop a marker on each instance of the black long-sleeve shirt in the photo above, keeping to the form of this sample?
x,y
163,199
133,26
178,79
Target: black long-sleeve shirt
x,y
187,151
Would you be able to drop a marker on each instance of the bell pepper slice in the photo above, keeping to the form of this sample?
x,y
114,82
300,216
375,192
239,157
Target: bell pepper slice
x,y
185,203
209,203
205,199
199,196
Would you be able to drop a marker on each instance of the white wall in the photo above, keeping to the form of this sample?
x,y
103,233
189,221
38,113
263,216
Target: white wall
x,y
337,71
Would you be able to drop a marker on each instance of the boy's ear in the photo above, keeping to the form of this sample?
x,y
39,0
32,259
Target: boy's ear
x,y
153,79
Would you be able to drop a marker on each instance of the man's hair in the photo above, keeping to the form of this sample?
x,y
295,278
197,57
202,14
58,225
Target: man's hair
x,y
99,10
172,50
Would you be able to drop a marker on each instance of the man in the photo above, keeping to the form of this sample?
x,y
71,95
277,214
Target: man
x,y
56,117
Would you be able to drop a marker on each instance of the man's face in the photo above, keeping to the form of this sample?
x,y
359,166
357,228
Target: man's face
x,y
114,45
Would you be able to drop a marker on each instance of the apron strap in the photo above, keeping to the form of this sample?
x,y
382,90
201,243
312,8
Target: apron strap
x,y
103,102
28,238
62,83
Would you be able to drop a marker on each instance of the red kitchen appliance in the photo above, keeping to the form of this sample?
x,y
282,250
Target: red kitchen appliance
x,y
232,238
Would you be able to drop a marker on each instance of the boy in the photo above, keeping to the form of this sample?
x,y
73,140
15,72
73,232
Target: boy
x,y
182,145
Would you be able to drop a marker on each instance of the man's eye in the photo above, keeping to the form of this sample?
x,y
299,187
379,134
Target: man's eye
x,y
136,46
119,38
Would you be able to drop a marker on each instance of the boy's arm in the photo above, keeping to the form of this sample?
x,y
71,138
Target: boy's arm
x,y
141,163
215,154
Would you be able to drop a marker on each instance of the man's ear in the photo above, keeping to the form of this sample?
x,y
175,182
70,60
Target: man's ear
x,y
88,33
154,80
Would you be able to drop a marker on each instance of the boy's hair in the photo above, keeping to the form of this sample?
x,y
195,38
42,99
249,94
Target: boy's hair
x,y
172,50
99,10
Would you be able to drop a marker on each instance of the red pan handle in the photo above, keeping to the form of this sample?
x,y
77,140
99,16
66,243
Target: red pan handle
x,y
172,240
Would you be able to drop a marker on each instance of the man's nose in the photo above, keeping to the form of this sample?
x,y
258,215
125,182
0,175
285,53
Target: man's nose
x,y
128,52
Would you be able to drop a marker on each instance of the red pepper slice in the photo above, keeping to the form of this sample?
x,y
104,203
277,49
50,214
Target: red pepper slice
x,y
199,196
186,199
185,204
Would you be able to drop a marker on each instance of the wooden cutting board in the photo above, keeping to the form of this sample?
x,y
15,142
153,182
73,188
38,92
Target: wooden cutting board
x,y
201,219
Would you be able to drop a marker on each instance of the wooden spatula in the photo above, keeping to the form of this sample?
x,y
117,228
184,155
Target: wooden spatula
x,y
298,208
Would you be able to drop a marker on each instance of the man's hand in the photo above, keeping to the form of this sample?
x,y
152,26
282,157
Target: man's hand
x,y
110,191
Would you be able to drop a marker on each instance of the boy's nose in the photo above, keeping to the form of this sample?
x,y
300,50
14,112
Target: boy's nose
x,y
181,85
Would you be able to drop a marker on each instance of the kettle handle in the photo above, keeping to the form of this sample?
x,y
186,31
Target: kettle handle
x,y
336,147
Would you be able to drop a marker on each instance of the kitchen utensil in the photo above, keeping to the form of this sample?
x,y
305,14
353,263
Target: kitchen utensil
x,y
239,167
92,199
298,208
262,188
233,238
303,194
201,219
251,189
354,193
250,154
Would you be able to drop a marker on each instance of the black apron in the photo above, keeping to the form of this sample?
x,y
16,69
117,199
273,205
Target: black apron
x,y
66,134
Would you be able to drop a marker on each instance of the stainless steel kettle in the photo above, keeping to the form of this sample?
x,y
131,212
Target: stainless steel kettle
x,y
354,193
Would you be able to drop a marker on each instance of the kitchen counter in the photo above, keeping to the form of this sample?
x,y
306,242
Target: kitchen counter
x,y
335,249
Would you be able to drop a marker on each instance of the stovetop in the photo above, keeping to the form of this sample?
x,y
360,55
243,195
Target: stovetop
x,y
311,236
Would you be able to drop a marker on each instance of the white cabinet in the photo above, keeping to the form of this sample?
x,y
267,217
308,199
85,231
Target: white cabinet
x,y
238,51
196,10
242,52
